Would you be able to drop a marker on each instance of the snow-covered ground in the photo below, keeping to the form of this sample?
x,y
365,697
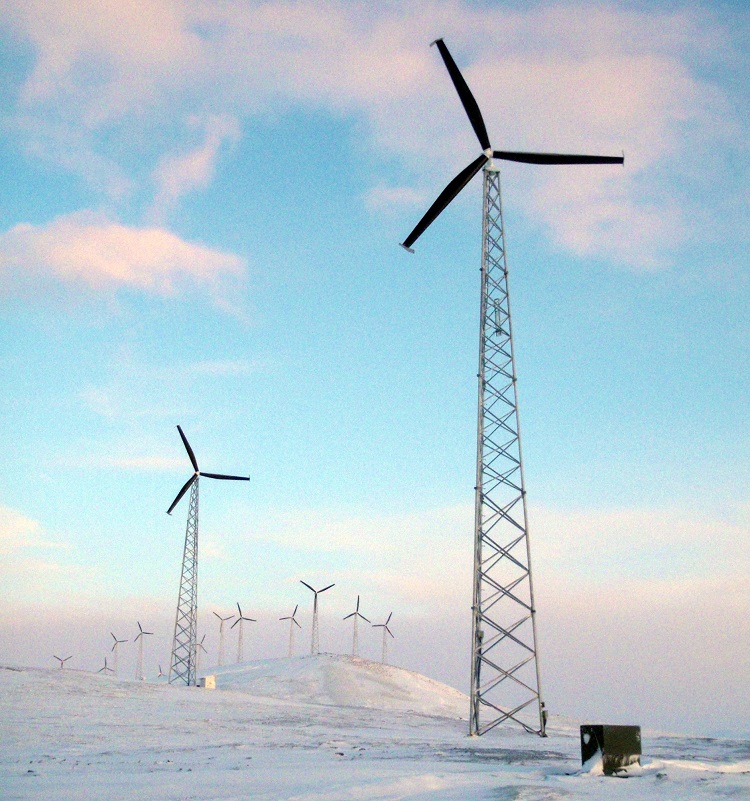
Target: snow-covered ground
x,y
330,728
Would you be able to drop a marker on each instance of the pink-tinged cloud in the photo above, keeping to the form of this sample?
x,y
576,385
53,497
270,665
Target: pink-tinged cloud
x,y
19,533
177,175
87,249
593,77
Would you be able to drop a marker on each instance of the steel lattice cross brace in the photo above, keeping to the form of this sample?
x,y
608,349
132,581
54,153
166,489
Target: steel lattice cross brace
x,y
184,648
505,673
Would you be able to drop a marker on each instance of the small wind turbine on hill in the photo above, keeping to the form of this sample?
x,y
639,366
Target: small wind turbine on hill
x,y
62,661
115,649
505,679
183,662
356,614
241,620
139,638
386,631
315,639
222,621
199,648
106,668
292,623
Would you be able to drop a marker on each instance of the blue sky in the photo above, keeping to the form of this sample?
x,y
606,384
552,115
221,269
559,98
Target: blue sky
x,y
200,213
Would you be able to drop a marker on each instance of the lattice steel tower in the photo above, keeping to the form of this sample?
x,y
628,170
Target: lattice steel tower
x,y
183,663
504,665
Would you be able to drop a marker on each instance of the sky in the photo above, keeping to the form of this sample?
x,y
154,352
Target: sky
x,y
200,211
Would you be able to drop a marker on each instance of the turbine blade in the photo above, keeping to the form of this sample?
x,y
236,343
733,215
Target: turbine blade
x,y
358,603
181,493
348,616
467,98
363,617
444,198
236,622
296,624
306,585
389,619
295,610
390,632
326,588
189,450
555,158
239,609
226,478
217,615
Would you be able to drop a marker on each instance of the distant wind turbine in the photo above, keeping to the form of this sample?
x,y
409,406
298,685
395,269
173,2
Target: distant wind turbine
x,y
386,630
62,661
292,623
315,640
106,668
183,662
222,621
356,614
199,648
241,620
160,673
139,639
115,649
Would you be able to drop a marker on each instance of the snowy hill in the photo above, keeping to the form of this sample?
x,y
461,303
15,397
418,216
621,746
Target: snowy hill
x,y
325,728
336,680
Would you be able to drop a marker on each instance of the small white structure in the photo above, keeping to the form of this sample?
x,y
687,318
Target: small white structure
x,y
207,682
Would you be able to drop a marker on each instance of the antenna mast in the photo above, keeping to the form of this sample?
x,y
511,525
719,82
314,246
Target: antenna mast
x,y
505,679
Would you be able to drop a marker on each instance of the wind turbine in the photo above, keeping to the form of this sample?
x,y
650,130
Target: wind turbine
x,y
139,639
183,661
160,673
241,620
62,661
106,668
505,678
199,646
386,630
222,621
292,623
356,614
115,649
315,641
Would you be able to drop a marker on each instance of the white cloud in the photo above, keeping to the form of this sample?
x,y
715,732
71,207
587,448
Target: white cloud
x,y
89,249
19,532
175,176
589,77
638,544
